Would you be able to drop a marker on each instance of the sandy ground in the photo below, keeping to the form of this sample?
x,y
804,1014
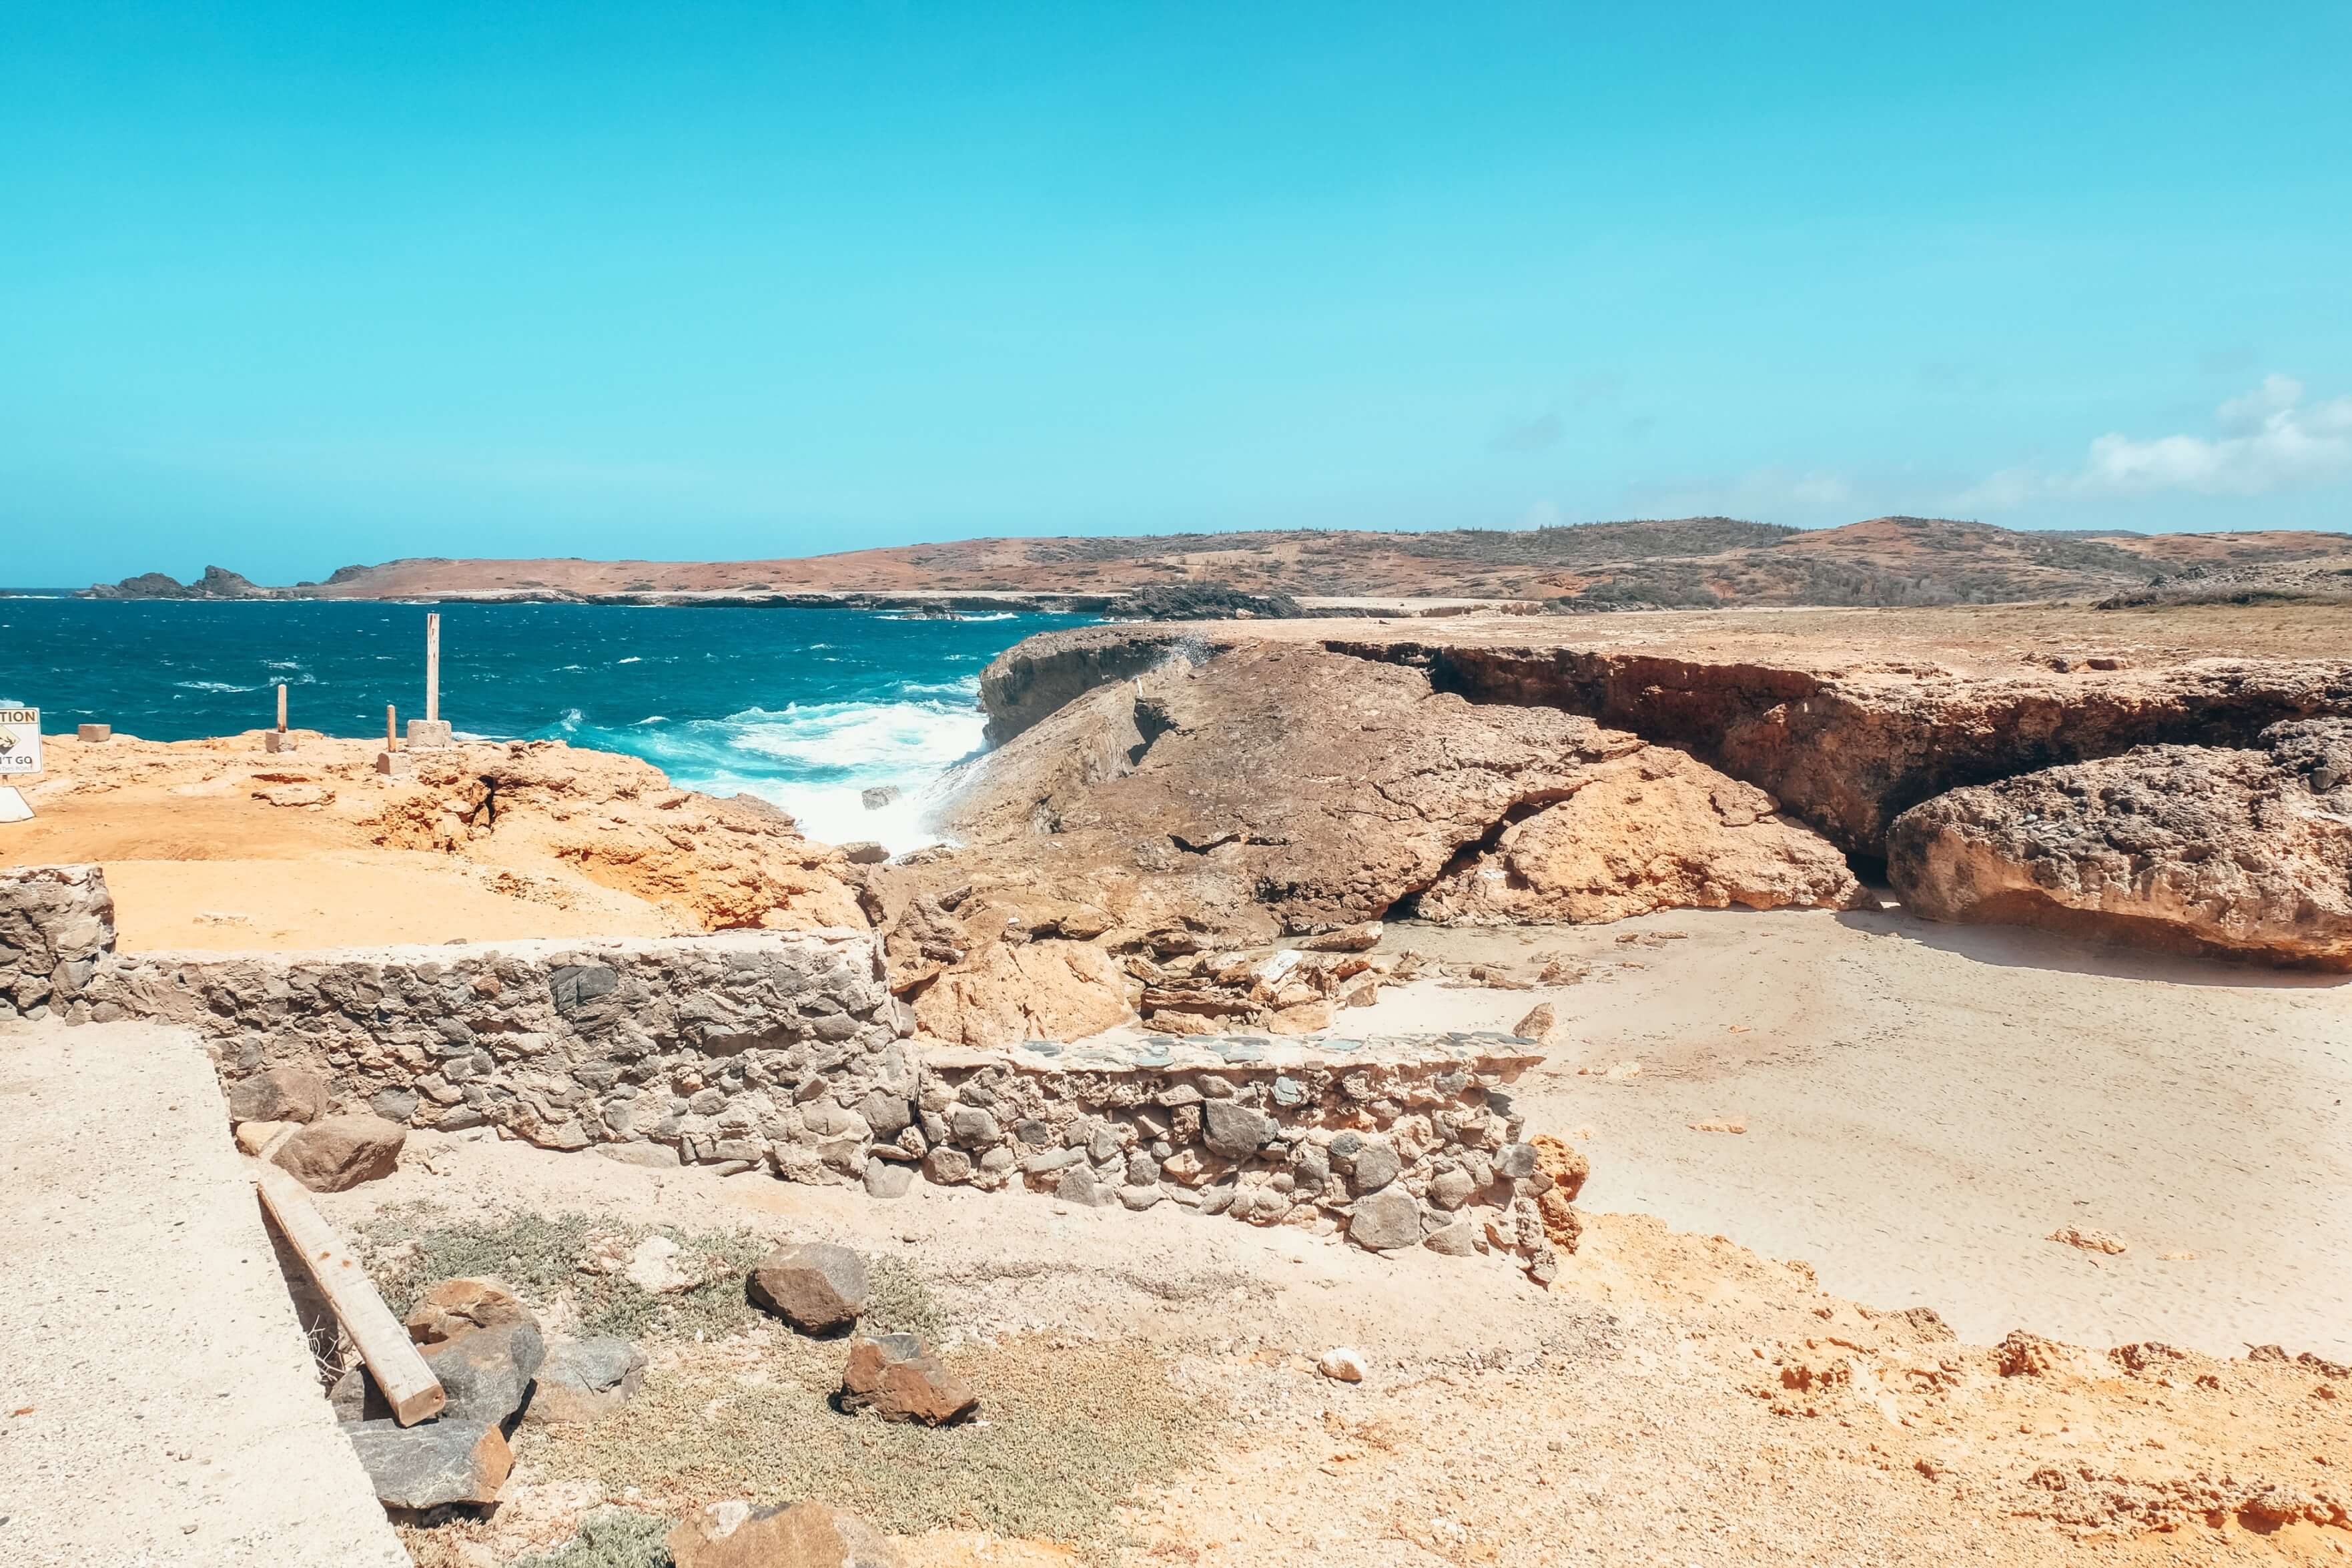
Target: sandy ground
x,y
200,856
1639,1412
156,1397
1925,1104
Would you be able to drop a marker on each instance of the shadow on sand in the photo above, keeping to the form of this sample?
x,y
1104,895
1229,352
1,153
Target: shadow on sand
x,y
2025,947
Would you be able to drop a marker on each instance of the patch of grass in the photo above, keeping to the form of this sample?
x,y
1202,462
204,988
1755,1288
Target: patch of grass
x,y
540,1255
1064,1435
613,1538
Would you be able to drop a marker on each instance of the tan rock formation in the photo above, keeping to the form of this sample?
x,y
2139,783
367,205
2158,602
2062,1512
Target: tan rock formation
x,y
1658,830
1277,790
2244,853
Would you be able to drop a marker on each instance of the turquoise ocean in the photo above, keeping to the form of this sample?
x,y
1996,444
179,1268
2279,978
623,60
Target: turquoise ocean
x,y
805,707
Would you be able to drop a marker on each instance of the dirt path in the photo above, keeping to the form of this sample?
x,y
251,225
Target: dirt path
x,y
1925,1104
157,1404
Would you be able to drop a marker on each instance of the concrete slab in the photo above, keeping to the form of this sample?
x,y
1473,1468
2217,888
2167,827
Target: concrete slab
x,y
158,1404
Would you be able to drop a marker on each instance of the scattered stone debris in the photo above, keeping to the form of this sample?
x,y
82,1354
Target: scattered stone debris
x,y
898,1378
2088,1240
805,1535
1719,1124
816,1287
434,1463
1341,1364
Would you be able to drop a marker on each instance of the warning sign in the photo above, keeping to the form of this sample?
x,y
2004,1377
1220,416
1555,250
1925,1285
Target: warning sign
x,y
20,741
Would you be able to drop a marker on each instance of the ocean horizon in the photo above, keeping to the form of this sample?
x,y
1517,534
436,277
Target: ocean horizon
x,y
805,707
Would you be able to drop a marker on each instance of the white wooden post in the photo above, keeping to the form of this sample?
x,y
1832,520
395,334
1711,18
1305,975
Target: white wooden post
x,y
281,708
432,665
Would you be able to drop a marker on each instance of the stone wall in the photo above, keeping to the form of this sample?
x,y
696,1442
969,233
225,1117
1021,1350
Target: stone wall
x,y
759,1048
1401,1142
57,922
785,1049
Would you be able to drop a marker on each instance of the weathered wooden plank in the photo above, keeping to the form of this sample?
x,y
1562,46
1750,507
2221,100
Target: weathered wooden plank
x,y
408,1384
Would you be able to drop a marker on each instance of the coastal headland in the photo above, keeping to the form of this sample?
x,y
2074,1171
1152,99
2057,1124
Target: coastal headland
x,y
1752,1051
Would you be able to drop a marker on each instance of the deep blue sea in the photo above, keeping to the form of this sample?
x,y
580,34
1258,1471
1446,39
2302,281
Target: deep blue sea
x,y
806,707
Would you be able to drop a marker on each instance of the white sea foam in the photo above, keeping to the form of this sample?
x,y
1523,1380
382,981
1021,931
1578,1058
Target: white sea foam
x,y
817,759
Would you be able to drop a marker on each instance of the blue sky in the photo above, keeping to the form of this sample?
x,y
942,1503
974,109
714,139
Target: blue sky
x,y
285,286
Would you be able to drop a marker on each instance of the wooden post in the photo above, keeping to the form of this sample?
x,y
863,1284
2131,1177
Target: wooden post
x,y
281,708
391,728
432,665
408,1384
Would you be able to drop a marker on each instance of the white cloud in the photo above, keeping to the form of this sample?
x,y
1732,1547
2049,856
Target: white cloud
x,y
2269,439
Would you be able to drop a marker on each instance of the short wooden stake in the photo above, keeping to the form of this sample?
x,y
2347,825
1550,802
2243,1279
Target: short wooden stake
x,y
408,1384
391,728
281,707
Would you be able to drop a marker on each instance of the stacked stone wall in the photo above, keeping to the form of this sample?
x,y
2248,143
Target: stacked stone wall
x,y
750,1047
57,924
1402,1142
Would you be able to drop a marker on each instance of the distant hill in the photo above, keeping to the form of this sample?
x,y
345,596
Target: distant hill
x,y
1702,562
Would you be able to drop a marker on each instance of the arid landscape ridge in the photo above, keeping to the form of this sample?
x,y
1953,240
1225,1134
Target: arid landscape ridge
x,y
1689,563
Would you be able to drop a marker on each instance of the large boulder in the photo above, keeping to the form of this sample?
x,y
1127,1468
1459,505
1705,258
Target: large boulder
x,y
1658,830
2228,852
337,1152
804,1535
815,1285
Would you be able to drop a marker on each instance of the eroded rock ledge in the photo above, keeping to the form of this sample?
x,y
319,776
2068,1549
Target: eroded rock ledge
x,y
1844,743
1278,790
2228,852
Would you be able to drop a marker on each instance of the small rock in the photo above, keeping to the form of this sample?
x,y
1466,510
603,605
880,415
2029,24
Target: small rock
x,y
487,1372
1140,1198
1235,1130
1516,1160
816,1287
1451,1189
653,1266
1347,939
805,1535
974,1129
896,1377
1341,1364
947,1166
279,1094
1459,1239
1387,1221
253,1137
2089,1241
432,1463
864,852
337,1152
876,796
584,1381
1538,1025
652,1156
1079,1185
887,1178
393,1104
453,1306
1376,1166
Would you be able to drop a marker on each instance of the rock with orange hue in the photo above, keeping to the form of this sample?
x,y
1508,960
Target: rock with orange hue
x,y
898,1378
2228,852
